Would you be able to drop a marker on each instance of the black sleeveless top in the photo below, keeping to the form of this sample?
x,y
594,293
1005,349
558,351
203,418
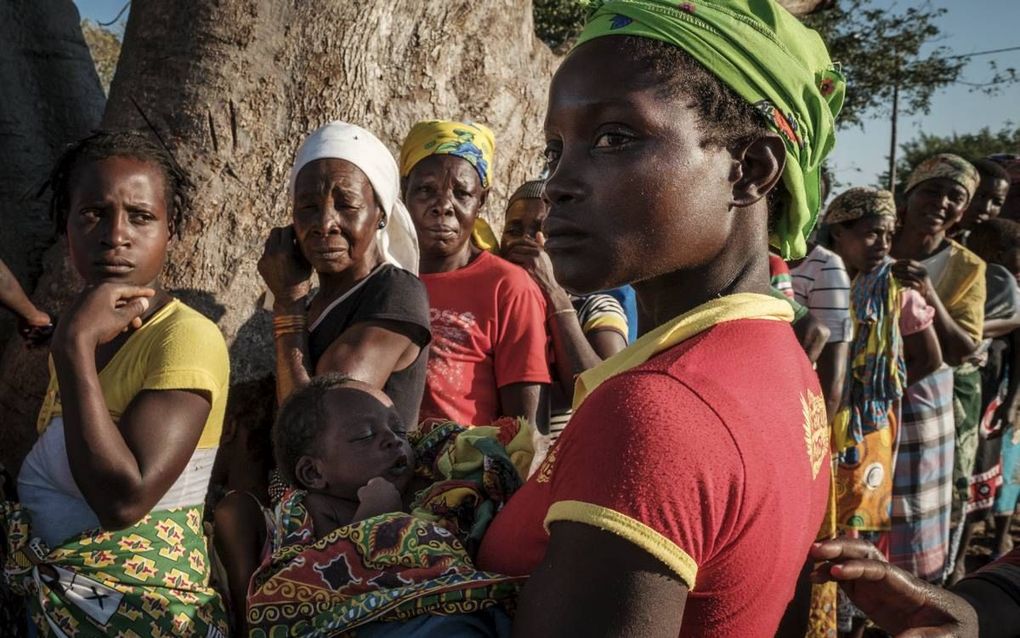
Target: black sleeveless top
x,y
397,297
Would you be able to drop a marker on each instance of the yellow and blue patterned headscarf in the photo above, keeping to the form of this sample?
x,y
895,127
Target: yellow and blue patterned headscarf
x,y
767,57
467,140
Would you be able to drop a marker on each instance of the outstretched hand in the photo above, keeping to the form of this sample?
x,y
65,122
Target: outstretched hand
x,y
102,312
897,601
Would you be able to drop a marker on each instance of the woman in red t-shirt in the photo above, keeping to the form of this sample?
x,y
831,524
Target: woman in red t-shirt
x,y
684,496
488,353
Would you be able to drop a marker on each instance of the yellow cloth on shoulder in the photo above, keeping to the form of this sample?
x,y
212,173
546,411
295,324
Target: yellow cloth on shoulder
x,y
961,287
176,349
483,236
743,305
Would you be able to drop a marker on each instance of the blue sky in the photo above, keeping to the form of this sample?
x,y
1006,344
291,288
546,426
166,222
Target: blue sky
x,y
861,155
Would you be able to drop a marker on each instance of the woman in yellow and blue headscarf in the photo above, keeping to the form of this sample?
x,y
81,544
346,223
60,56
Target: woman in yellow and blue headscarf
x,y
472,142
694,475
488,354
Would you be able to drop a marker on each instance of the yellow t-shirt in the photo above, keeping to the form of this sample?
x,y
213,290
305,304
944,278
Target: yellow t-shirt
x,y
960,284
176,349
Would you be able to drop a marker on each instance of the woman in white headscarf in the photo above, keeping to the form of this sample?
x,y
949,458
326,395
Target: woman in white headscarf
x,y
369,319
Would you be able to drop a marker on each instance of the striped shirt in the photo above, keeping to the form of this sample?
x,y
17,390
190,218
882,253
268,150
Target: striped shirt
x,y
594,312
821,283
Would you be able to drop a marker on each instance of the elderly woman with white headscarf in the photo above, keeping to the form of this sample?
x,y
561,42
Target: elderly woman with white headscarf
x,y
370,317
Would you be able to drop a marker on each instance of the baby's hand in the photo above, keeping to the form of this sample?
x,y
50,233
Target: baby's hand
x,y
378,496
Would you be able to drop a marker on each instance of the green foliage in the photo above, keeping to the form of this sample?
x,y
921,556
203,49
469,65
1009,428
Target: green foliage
x,y
558,22
967,145
104,45
878,48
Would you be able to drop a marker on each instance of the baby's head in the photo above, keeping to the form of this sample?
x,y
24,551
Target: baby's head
x,y
336,434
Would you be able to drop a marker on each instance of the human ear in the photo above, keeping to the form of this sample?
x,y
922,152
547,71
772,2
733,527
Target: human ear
x,y
308,472
757,168
482,198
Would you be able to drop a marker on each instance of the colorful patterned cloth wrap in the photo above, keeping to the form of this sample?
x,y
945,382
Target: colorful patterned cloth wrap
x,y
769,58
397,566
877,375
948,166
151,579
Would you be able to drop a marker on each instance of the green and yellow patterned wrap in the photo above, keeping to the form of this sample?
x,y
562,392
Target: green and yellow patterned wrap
x,y
149,580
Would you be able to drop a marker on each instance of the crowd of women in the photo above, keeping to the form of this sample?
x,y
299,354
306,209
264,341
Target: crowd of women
x,y
484,436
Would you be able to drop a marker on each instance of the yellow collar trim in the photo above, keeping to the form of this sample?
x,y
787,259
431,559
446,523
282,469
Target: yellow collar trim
x,y
745,305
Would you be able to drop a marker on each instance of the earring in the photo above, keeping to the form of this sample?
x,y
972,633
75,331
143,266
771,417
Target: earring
x,y
382,224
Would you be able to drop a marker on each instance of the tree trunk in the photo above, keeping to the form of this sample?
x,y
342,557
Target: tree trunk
x,y
52,97
235,85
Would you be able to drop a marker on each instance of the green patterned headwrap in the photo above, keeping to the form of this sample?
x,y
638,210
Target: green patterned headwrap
x,y
770,59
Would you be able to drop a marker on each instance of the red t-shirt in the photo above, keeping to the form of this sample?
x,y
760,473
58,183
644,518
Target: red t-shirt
x,y
488,331
707,457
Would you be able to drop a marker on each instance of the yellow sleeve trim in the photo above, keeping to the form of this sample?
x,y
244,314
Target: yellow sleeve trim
x,y
606,322
633,530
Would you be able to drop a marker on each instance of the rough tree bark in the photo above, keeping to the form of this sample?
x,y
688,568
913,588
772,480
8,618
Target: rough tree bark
x,y
51,96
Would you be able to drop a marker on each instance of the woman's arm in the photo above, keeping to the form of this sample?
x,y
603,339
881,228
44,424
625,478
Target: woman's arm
x,y
369,352
14,299
124,468
288,276
528,400
595,583
995,328
922,353
831,370
575,352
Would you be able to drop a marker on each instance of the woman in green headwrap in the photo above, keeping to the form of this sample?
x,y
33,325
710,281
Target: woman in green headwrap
x,y
686,493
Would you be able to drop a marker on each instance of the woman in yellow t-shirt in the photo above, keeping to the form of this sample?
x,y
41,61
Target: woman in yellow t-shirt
x,y
112,492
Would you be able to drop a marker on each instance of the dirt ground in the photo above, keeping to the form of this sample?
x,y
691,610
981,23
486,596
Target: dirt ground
x,y
981,547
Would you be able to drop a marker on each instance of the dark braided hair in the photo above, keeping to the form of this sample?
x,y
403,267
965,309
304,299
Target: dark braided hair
x,y
106,144
727,120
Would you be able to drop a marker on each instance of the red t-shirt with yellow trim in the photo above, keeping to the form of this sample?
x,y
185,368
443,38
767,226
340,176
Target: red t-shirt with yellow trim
x,y
712,456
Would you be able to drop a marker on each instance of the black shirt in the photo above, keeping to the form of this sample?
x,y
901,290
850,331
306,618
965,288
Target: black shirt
x,y
399,298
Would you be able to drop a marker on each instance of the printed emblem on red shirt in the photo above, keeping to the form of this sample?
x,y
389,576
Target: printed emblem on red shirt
x,y
544,474
816,430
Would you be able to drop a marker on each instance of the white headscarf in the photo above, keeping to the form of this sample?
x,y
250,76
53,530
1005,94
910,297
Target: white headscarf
x,y
398,241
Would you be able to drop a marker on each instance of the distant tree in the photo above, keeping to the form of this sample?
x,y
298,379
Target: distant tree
x,y
557,22
104,45
880,53
967,145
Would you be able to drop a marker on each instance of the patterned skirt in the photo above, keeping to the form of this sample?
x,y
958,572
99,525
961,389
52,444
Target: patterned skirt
x,y
923,480
150,579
